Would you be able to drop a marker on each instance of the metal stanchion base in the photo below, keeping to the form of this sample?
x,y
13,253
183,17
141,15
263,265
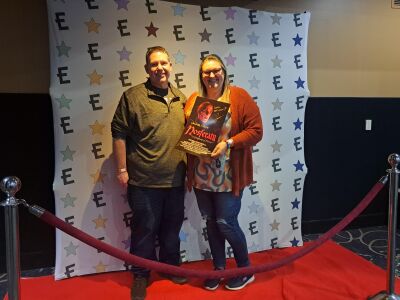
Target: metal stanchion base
x,y
383,295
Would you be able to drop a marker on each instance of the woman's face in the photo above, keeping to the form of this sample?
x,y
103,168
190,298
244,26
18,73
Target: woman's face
x,y
212,76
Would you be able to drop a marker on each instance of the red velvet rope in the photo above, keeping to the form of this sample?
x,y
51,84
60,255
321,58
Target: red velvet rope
x,y
165,268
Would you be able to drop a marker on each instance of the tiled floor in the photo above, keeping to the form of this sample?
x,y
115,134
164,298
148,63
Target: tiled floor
x,y
370,243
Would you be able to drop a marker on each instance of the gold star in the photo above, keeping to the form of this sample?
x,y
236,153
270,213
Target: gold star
x,y
92,26
100,268
95,78
97,128
274,225
100,222
98,177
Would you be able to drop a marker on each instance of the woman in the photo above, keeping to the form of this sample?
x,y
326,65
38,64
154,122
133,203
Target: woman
x,y
219,186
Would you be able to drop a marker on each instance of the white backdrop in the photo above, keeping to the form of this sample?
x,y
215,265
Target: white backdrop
x,y
97,51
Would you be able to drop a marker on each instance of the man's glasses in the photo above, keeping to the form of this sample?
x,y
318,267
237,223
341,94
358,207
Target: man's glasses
x,y
215,72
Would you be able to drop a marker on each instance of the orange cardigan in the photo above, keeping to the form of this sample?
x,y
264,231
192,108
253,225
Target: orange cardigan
x,y
246,131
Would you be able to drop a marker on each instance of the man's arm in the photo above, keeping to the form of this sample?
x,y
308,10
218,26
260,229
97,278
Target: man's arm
x,y
119,150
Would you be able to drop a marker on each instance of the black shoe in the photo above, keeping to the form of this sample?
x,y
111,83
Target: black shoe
x,y
173,278
138,289
238,283
211,284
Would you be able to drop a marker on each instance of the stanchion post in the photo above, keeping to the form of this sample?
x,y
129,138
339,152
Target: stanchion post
x,y
389,294
11,185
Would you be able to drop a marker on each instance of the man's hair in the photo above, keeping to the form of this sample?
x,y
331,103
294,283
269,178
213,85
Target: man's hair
x,y
151,50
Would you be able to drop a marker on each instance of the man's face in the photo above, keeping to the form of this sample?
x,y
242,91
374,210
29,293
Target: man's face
x,y
159,68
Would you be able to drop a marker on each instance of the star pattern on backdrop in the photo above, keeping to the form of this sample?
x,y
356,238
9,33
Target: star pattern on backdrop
x,y
274,225
100,222
276,62
63,102
297,40
63,49
178,9
295,204
183,236
255,167
100,267
297,124
205,36
122,4
95,78
70,249
124,54
151,30
277,104
92,26
230,60
253,247
276,19
68,154
299,83
276,147
253,208
254,82
97,128
276,185
294,242
68,200
98,177
230,13
127,243
179,57
253,38
298,166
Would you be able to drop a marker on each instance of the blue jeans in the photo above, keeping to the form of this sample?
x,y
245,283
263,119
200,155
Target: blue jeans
x,y
156,212
221,210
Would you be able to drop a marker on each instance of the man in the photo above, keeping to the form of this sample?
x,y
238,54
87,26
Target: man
x,y
146,127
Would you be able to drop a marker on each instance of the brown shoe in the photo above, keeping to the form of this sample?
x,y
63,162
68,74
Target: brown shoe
x,y
138,289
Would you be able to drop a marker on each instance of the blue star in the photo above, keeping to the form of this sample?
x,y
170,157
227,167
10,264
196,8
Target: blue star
x,y
295,204
254,82
294,242
183,236
122,4
127,243
300,83
297,124
253,208
178,10
298,166
253,38
297,40
179,57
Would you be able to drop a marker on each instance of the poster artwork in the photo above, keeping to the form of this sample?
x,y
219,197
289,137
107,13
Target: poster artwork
x,y
203,127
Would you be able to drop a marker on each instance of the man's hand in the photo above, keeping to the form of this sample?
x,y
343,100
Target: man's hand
x,y
219,150
123,179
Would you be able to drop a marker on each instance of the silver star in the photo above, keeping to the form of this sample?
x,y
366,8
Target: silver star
x,y
68,200
276,185
274,225
276,19
276,62
277,104
276,147
68,154
253,208
71,249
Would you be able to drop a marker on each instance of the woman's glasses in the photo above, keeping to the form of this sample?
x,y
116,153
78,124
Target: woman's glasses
x,y
215,72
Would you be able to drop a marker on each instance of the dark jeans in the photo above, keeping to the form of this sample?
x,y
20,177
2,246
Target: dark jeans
x,y
156,212
221,210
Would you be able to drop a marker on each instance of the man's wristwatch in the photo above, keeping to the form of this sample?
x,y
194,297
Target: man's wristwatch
x,y
229,143
122,170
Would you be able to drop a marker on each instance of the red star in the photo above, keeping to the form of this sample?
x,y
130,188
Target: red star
x,y
151,30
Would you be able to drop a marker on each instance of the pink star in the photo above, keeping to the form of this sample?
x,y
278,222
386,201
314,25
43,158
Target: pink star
x,y
230,13
230,60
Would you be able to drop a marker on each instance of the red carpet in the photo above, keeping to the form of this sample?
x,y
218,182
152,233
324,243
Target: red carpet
x,y
331,272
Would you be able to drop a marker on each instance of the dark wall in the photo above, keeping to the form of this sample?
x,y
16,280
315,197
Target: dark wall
x,y
27,152
344,161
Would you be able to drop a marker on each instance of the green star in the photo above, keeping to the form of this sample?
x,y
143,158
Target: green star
x,y
63,49
68,200
64,101
68,154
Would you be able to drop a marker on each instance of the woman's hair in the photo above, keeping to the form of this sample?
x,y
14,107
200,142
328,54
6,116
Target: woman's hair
x,y
225,87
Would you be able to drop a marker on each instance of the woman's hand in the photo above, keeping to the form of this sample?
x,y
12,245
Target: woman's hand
x,y
219,150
